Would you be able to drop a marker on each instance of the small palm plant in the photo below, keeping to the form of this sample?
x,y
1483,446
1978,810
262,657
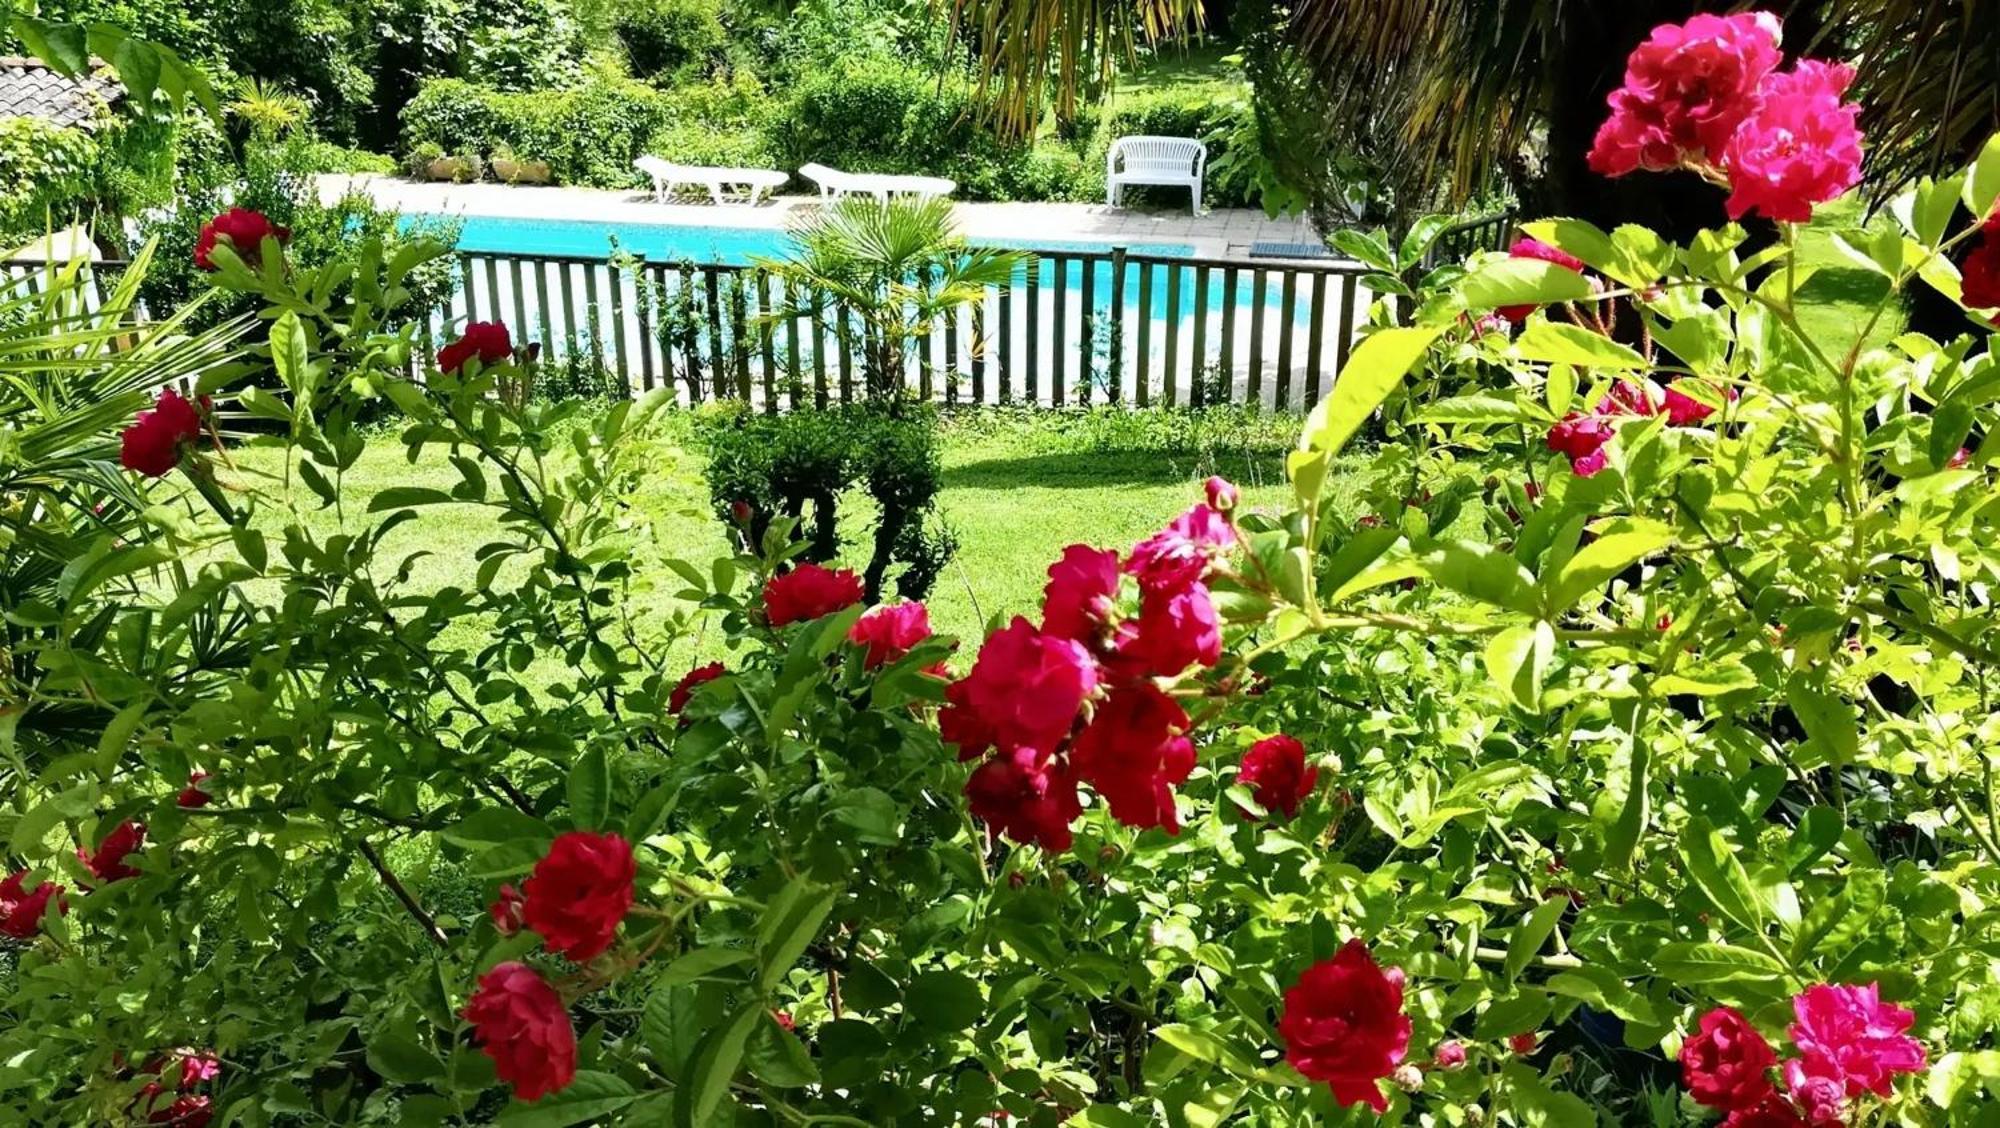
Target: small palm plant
x,y
888,271
268,109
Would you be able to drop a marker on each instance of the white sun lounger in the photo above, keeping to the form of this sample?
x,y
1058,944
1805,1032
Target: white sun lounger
x,y
755,182
834,183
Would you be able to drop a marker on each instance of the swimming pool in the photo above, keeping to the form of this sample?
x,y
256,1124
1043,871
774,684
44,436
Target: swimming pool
x,y
731,246
1161,317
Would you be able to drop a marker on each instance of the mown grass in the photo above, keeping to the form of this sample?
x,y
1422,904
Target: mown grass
x,y
1018,487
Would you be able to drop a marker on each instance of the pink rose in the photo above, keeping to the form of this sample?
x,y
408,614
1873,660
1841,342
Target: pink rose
x,y
1801,147
1848,1034
1181,553
1082,593
1177,629
890,630
1024,691
1686,89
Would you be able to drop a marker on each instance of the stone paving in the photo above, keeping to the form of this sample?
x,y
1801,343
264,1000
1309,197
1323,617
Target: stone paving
x,y
1220,233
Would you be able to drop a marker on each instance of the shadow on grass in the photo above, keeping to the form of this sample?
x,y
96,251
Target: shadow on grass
x,y
1095,469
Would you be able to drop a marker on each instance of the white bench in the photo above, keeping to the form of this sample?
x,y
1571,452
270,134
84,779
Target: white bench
x,y
666,175
1176,162
833,183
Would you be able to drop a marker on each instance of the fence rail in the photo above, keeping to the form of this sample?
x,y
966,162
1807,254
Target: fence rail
x,y
1073,328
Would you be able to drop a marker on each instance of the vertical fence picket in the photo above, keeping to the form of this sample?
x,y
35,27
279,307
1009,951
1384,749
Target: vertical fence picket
x,y
951,369
1034,301
1170,371
1142,369
467,287
1007,355
718,371
1288,320
644,294
843,331
1198,374
739,343
1344,343
1086,331
1059,338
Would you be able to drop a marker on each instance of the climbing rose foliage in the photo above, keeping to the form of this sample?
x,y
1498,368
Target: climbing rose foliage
x,y
579,892
519,1021
1343,1023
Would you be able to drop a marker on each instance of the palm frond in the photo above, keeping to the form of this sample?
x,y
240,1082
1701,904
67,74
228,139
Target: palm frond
x,y
1032,53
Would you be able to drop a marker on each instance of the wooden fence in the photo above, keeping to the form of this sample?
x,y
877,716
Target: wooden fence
x,y
1073,328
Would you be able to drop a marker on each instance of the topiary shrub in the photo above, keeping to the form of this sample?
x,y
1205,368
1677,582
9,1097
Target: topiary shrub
x,y
764,467
662,37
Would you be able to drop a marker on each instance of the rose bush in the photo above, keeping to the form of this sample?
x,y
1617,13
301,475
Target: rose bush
x,y
1624,758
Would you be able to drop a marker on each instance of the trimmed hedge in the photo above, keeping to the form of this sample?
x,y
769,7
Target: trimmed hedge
x,y
589,135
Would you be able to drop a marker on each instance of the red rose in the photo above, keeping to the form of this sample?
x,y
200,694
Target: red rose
x,y
1177,629
506,911
519,1021
192,795
1773,1111
740,512
1801,147
809,592
959,722
153,444
1181,553
1686,90
243,231
1525,248
1277,774
108,862
1727,1064
21,910
784,1021
1023,692
1979,278
1682,409
1450,1055
684,689
184,1112
579,891
1133,752
1031,801
890,630
1523,1044
489,341
1082,593
1343,1023
1223,495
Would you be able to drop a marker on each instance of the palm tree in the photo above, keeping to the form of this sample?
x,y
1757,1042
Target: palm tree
x,y
885,273
1475,91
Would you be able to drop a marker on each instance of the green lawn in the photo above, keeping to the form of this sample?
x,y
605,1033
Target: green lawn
x,y
1018,487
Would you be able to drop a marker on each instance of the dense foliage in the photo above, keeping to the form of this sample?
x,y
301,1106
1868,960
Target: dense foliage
x,y
1626,762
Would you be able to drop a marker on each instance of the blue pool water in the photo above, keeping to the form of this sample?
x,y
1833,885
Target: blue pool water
x,y
661,242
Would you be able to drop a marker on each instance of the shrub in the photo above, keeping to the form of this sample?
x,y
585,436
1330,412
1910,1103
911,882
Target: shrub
x,y
589,134
663,37
321,155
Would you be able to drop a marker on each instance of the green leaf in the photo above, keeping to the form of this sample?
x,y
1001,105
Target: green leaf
x,y
1520,281
1620,543
498,824
590,789
1703,962
701,963
1559,342
1107,1116
777,1057
1535,1105
945,1001
591,1096
790,922
1480,407
1377,366
673,1021
1515,1014
1711,862
1484,573
1518,659
66,47
714,1066
291,357
1602,988
401,1058
1831,729
1529,936
401,497
1205,1046
1982,180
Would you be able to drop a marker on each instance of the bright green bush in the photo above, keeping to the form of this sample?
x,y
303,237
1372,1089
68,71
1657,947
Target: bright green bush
x,y
1210,112
589,134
